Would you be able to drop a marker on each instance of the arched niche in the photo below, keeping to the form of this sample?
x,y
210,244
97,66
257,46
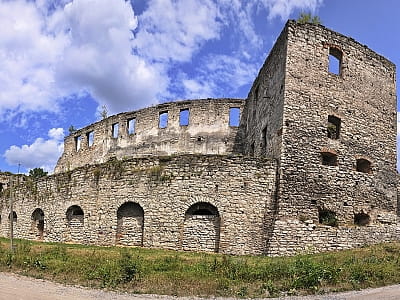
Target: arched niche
x,y
201,228
37,223
130,224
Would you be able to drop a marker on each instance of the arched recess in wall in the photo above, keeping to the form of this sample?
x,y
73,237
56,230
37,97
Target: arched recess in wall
x,y
37,223
201,230
130,224
75,223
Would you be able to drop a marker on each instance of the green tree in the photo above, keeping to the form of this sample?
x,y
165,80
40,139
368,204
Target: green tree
x,y
37,173
71,129
308,18
104,112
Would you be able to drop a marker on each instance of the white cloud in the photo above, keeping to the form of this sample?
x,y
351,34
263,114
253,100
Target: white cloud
x,y
173,30
42,153
283,8
54,49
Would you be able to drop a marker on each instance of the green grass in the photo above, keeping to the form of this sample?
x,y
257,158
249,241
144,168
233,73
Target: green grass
x,y
185,273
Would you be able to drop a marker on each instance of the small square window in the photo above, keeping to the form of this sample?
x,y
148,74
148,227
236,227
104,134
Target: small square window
x,y
329,159
363,165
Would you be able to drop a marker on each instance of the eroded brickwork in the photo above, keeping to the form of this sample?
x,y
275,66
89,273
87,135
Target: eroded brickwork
x,y
312,166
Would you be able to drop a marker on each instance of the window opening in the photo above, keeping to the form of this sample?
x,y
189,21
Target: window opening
x,y
264,137
327,217
1,187
14,216
90,138
37,218
78,140
115,128
202,209
74,211
363,165
184,117
335,61
333,127
163,119
234,116
361,219
131,126
329,159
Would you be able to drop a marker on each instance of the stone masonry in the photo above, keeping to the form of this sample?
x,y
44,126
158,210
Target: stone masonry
x,y
311,166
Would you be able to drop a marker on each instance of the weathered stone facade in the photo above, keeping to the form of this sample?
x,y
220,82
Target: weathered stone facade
x,y
310,167
183,127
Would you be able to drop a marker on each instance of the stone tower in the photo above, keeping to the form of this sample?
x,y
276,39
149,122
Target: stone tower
x,y
324,106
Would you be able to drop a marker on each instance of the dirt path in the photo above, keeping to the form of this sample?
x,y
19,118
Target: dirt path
x,y
15,287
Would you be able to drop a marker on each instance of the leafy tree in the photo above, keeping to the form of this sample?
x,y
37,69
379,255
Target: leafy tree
x,y
71,129
308,18
37,173
104,112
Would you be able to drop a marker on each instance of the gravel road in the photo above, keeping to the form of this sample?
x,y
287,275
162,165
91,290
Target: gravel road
x,y
16,287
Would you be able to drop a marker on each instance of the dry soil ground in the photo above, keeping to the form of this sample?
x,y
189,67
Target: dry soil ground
x,y
15,287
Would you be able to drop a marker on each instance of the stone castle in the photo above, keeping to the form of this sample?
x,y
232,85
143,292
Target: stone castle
x,y
310,165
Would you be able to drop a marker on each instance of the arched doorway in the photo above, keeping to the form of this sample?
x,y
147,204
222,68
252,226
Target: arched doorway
x,y
130,222
75,223
201,228
38,223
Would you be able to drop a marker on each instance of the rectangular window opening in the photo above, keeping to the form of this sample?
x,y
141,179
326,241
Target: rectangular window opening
x,y
234,116
163,119
1,187
335,61
131,126
264,137
363,165
184,117
115,128
329,159
78,140
333,127
90,138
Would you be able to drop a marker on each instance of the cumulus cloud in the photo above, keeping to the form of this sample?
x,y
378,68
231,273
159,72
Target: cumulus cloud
x,y
42,153
283,8
54,49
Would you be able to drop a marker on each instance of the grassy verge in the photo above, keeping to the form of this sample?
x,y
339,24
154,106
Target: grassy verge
x,y
182,273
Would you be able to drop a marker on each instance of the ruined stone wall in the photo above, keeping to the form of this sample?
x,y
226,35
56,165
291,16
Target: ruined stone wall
x,y
320,165
208,131
263,114
329,183
165,188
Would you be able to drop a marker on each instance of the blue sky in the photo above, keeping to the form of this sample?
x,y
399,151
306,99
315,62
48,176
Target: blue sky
x,y
61,61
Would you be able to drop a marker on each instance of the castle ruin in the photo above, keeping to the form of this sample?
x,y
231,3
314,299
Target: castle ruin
x,y
310,166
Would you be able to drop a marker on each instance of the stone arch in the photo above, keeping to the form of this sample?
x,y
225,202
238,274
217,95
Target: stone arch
x,y
201,229
75,223
37,223
130,224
